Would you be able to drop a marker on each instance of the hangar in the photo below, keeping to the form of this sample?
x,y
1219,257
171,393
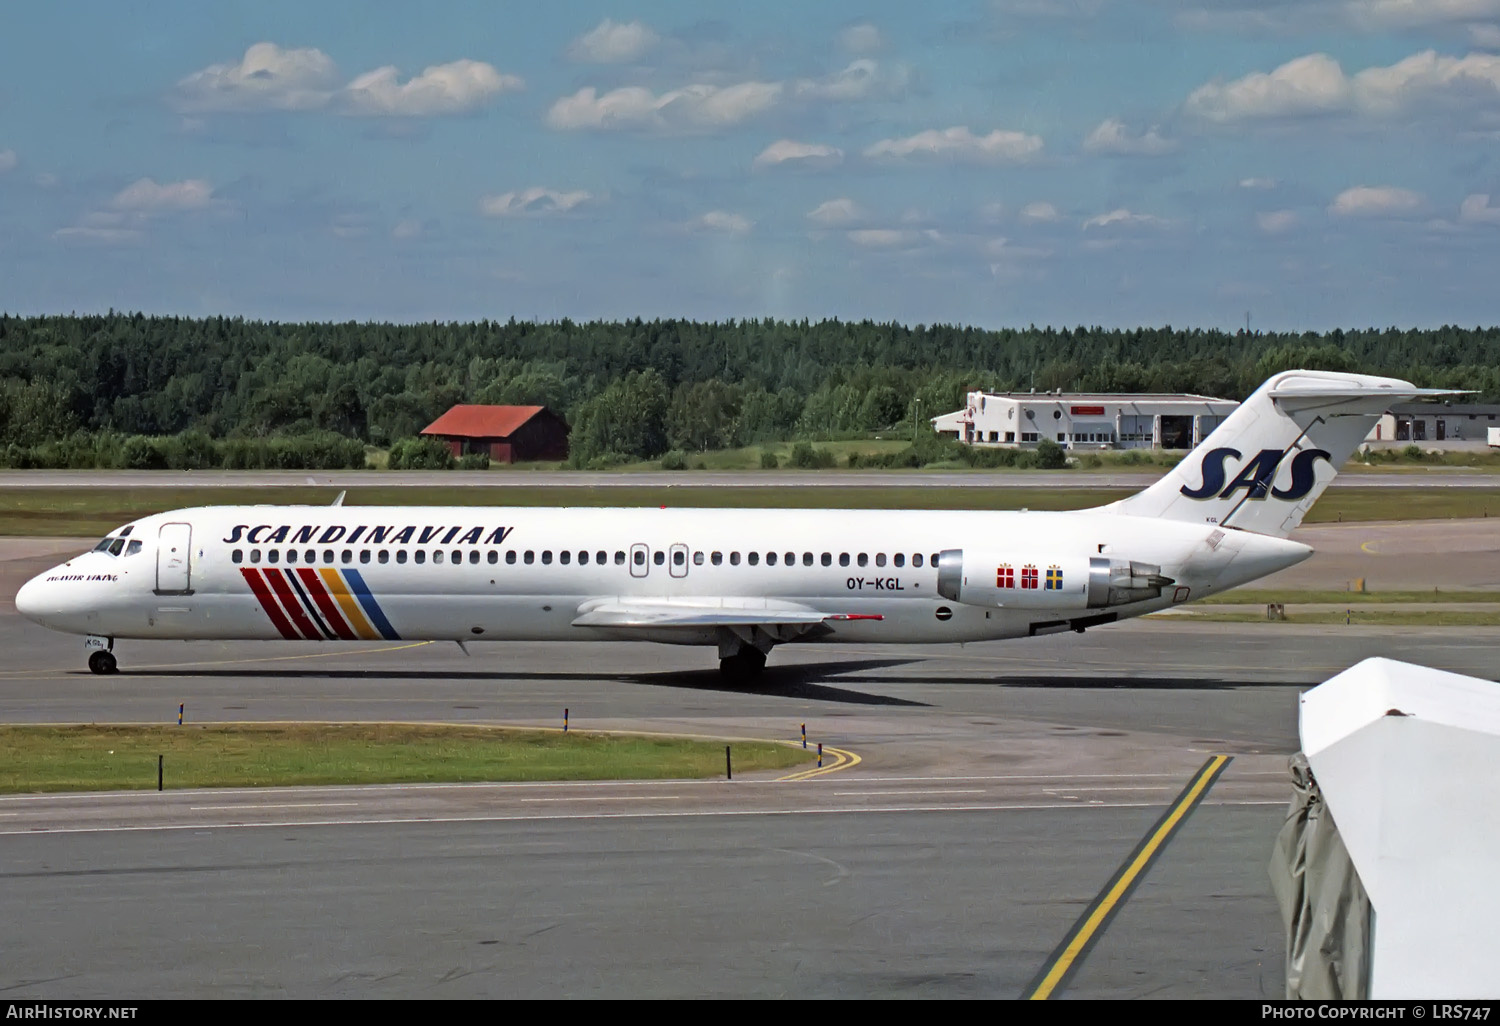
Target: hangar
x,y
1430,422
509,434
1086,420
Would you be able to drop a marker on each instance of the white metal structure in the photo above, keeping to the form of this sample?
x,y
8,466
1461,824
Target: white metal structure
x,y
1085,420
741,580
1408,760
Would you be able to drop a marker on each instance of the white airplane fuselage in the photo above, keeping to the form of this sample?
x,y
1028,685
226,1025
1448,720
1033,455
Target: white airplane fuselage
x,y
510,574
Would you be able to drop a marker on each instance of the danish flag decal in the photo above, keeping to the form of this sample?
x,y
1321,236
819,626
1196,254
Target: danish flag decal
x,y
1257,476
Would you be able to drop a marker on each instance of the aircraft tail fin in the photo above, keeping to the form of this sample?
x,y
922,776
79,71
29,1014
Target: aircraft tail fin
x,y
1269,461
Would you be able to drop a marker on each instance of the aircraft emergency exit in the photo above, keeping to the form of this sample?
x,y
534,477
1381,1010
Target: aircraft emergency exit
x,y
740,580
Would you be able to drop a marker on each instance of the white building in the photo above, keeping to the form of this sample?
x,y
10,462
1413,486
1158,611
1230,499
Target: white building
x,y
1085,421
1436,422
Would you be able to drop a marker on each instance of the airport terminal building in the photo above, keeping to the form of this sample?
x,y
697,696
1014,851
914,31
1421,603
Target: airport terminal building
x,y
1020,420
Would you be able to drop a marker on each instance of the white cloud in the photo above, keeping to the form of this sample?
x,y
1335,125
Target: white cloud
x,y
809,155
1313,84
960,144
722,222
408,228
883,238
1039,211
613,42
836,212
1487,36
454,88
1112,136
861,38
1316,84
146,197
1476,209
1122,218
7,160
1257,183
863,79
1377,14
269,78
266,78
535,201
1274,222
1376,201
694,107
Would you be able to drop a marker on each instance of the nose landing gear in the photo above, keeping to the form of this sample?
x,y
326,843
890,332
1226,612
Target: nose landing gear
x,y
101,655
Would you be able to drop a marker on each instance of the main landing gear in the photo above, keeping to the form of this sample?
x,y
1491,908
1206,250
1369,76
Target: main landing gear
x,y
744,664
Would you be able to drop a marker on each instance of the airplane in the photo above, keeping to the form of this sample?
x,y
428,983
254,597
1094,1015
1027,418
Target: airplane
x,y
740,580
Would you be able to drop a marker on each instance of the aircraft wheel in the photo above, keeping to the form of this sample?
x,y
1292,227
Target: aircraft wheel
x,y
743,665
103,662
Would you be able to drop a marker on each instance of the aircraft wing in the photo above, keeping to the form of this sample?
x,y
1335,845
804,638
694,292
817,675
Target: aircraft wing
x,y
626,613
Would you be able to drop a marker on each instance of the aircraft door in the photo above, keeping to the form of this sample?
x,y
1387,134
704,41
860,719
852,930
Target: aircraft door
x,y
174,544
640,560
677,560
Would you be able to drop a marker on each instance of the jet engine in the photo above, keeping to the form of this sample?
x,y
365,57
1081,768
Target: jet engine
x,y
1031,581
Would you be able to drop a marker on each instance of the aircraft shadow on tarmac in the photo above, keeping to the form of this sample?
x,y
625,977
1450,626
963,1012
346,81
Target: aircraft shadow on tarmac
x,y
806,681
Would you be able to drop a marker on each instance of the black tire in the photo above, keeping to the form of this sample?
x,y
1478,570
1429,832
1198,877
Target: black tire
x,y
744,665
103,662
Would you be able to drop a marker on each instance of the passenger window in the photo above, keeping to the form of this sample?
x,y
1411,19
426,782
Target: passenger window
x,y
698,558
717,558
828,559
383,557
791,559
934,560
348,556
619,557
679,558
272,555
255,555
638,557
529,557
565,557
437,555
864,560
843,559
546,556
770,559
510,556
658,557
601,557
473,556
583,557
493,557
364,555
899,559
807,559
456,556
754,558
237,556
734,559
328,555
291,555
916,560
880,559
401,555
419,556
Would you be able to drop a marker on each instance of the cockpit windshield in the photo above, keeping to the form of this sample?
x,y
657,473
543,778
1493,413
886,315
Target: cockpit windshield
x,y
115,543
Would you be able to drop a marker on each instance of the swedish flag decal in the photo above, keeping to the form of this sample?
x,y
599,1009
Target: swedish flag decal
x,y
1054,578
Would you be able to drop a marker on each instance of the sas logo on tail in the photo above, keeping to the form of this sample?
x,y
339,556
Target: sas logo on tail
x,y
1258,476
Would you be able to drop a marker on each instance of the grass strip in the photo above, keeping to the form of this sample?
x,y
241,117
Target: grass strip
x,y
70,512
1354,617
1249,596
96,757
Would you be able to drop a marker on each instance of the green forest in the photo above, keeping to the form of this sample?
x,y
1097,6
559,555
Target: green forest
x,y
134,390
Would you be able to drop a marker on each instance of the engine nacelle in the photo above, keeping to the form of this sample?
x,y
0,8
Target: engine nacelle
x,y
1029,581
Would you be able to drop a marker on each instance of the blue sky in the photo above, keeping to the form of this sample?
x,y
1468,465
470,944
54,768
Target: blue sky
x,y
1318,163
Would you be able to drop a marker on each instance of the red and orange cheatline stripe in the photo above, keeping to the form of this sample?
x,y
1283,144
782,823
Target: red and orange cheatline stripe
x,y
319,604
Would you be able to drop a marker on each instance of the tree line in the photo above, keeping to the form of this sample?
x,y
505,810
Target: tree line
x,y
129,389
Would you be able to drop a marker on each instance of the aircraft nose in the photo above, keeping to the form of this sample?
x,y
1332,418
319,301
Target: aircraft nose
x,y
31,600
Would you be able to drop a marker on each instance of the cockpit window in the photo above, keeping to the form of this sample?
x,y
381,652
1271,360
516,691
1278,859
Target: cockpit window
x,y
104,545
114,543
126,532
133,547
116,546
